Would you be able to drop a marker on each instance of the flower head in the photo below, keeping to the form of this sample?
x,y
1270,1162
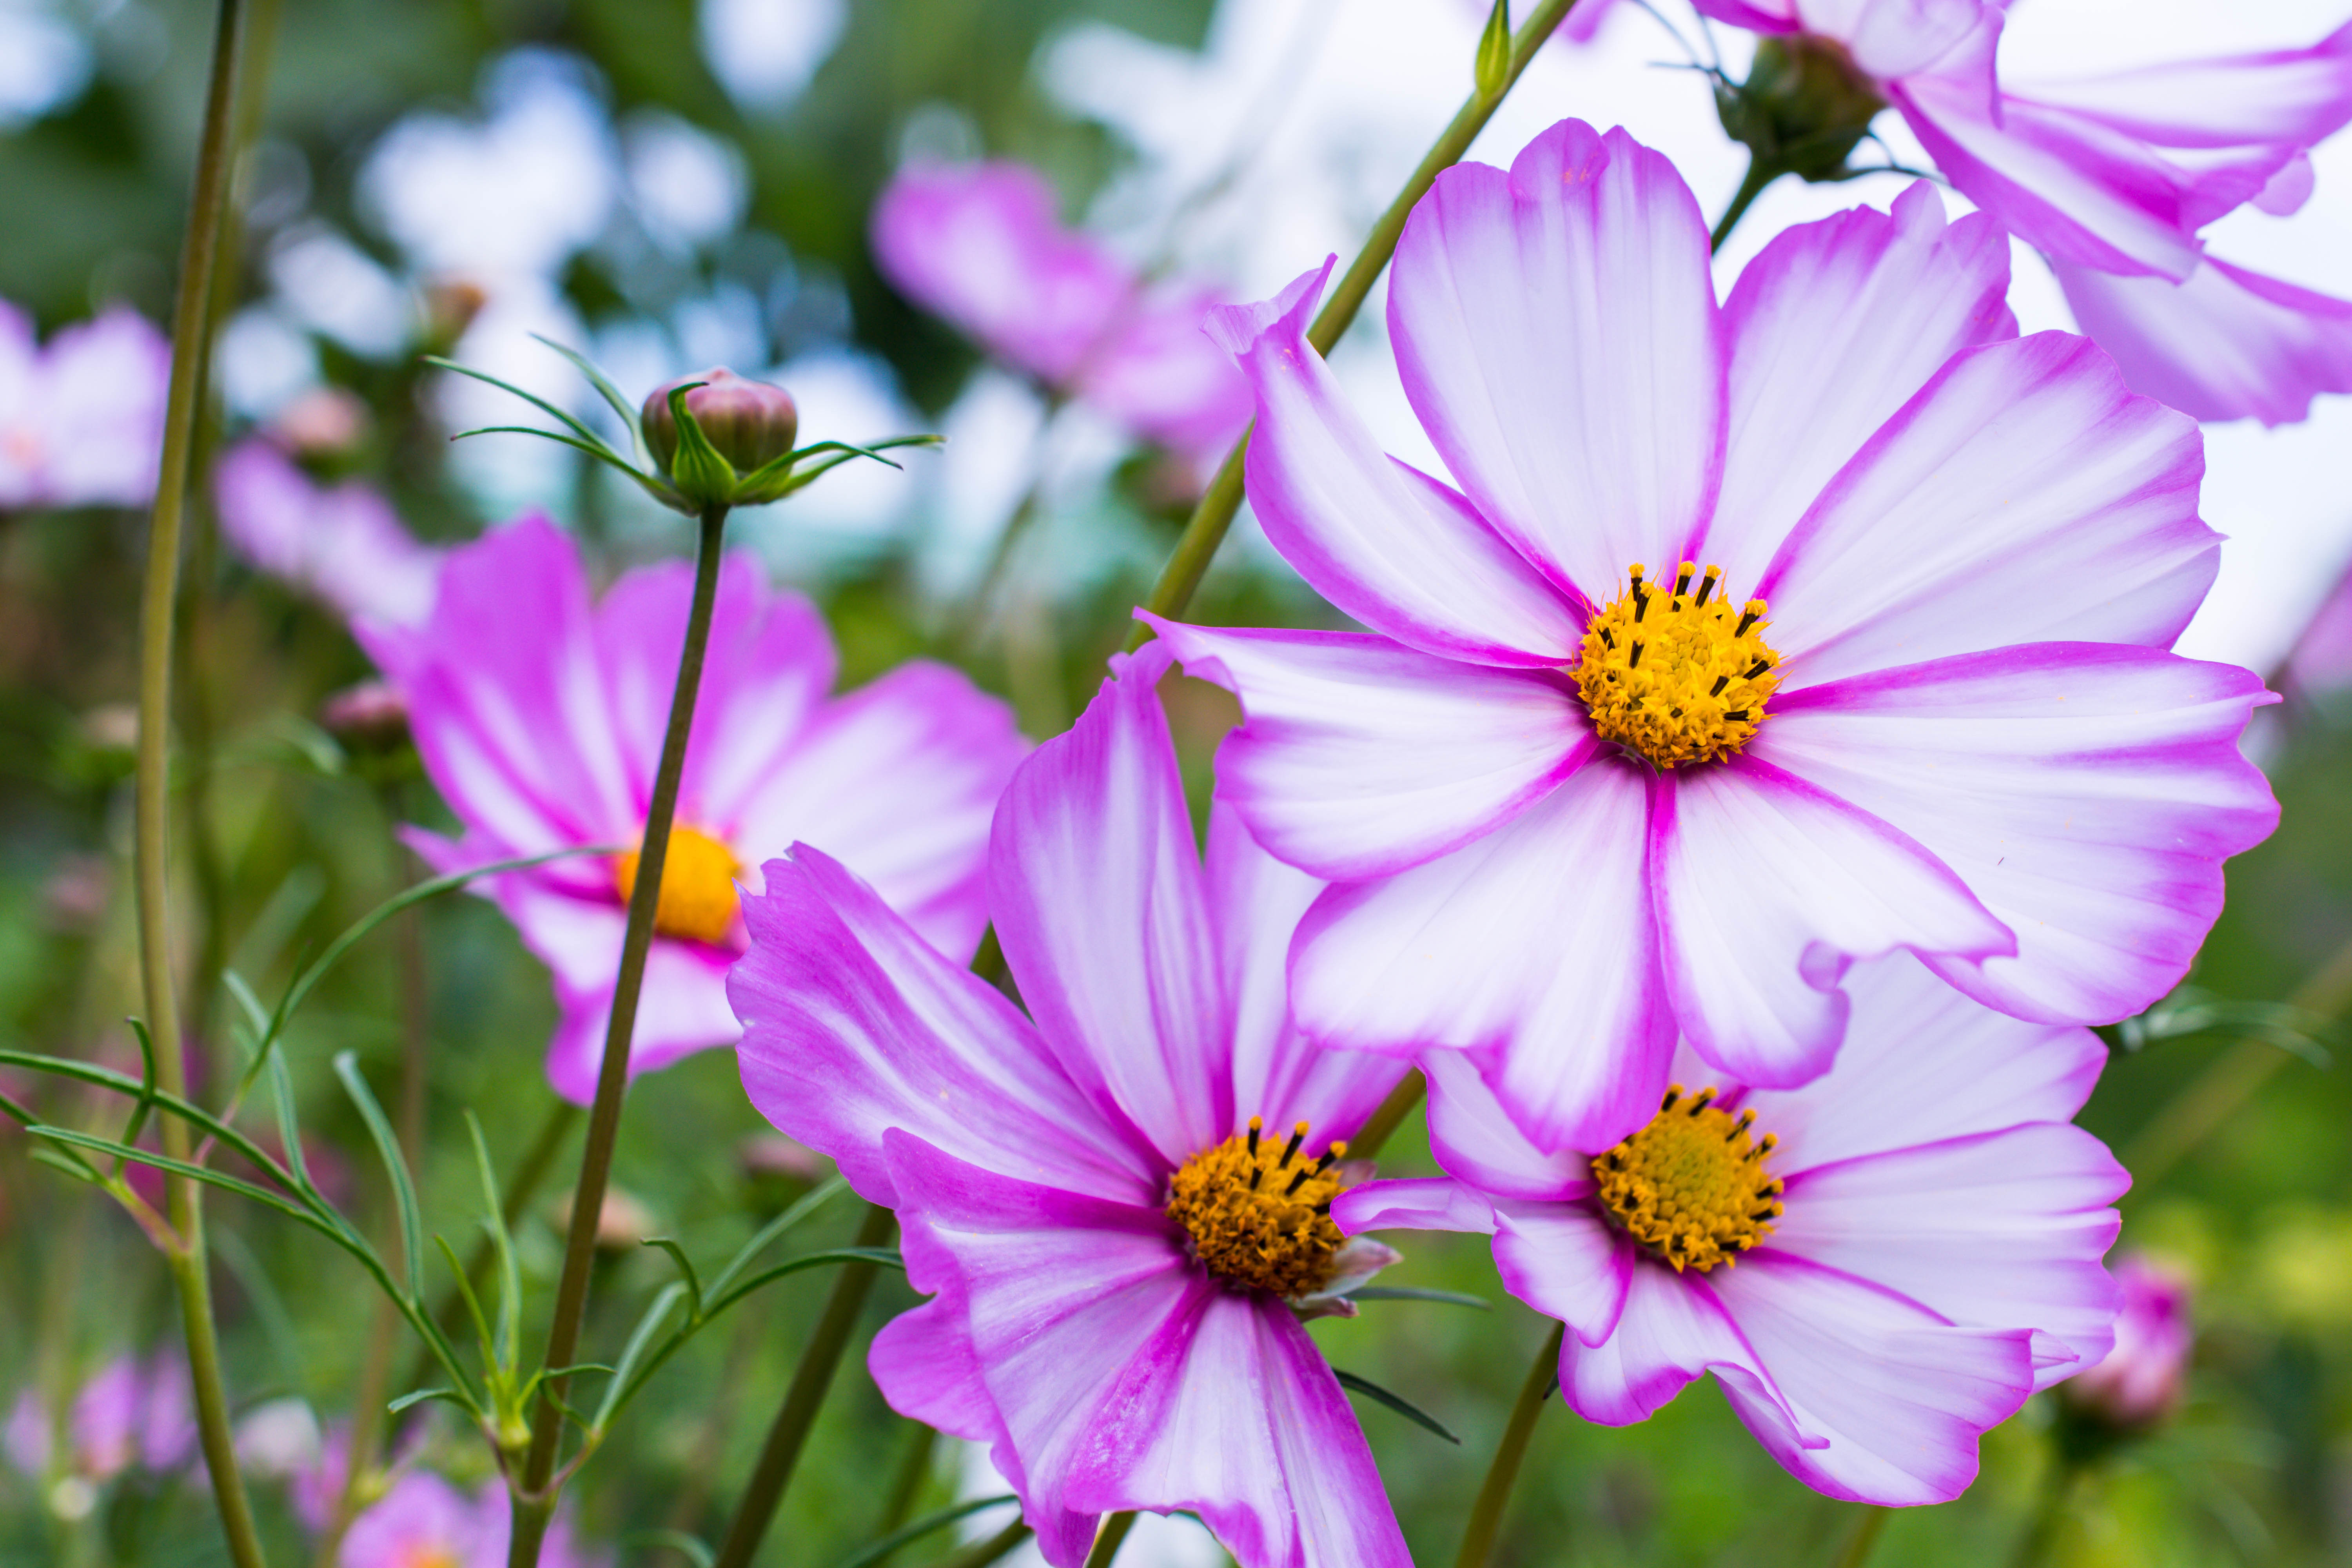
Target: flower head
x,y
1121,1208
133,1412
2139,1382
1876,1267
81,421
540,718
1760,639
425,1522
344,545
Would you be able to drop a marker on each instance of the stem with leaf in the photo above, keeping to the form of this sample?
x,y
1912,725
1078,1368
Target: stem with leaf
x,y
1503,1472
534,1499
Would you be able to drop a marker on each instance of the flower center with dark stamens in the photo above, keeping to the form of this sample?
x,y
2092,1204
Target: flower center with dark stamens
x,y
1259,1211
699,900
1691,1187
1680,677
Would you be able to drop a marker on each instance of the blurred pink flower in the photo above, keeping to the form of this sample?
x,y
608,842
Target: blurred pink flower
x,y
2139,1382
133,1412
979,244
344,545
1877,1268
81,421
2320,664
540,717
425,1522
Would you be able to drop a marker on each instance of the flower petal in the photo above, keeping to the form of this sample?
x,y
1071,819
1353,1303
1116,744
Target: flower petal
x,y
682,1009
1767,888
1900,1397
1473,1136
2024,496
2280,97
1094,883
1400,552
1833,327
852,1027
1361,757
1999,1230
1891,38
1429,1203
1533,946
2086,794
1565,1262
640,632
1671,1329
1557,334
2226,344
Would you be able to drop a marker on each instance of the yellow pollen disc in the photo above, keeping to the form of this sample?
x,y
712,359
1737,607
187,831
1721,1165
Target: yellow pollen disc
x,y
428,1557
1680,677
1258,1210
1690,1187
699,900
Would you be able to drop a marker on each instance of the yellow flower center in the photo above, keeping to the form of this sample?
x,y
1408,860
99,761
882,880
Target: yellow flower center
x,y
1690,1187
428,1557
1261,1216
699,900
1679,677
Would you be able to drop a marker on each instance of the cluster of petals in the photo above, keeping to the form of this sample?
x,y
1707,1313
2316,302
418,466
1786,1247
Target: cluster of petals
x,y
1936,1261
2112,176
342,544
980,246
1976,549
1071,1326
82,419
424,1521
134,1411
539,712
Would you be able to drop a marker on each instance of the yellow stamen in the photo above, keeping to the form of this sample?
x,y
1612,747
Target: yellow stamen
x,y
429,1557
1675,672
699,900
1258,1211
1690,1187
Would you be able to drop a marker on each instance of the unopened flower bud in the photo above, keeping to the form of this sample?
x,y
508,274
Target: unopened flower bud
x,y
1803,109
450,306
749,423
370,717
2139,1382
324,423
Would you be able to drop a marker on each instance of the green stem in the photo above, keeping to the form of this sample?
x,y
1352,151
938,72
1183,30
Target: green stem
x,y
2049,1514
981,1553
1758,176
534,1498
191,347
1110,1538
782,1452
907,1489
1486,1513
1388,1116
1864,1539
1205,530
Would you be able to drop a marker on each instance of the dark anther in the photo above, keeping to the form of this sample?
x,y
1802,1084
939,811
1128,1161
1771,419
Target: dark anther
x,y
1256,1176
1324,1163
1633,659
1640,600
1668,1103
1765,1214
1759,667
1746,1119
1606,640
1736,714
1297,1179
1253,1137
1682,584
1745,621
1297,1136
1323,1207
1705,586
1705,1097
1720,682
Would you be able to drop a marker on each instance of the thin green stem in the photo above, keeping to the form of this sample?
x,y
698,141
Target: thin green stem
x,y
1864,1539
191,347
981,1553
1758,176
534,1499
1206,529
782,1452
907,1487
1388,1116
1503,1473
1110,1538
2049,1513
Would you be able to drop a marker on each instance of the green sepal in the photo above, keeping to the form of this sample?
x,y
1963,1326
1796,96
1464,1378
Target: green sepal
x,y
697,471
1494,51
1396,1402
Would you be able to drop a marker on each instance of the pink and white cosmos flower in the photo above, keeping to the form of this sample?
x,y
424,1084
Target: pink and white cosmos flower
x,y
346,545
426,1523
1121,1207
135,1411
540,718
980,246
1877,1268
81,421
2111,177
1919,698
2141,1381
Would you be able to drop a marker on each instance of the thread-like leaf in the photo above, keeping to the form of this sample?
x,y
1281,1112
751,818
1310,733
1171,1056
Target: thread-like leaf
x,y
502,1242
395,1165
814,1199
604,388
922,1527
1418,1294
640,1344
594,442
1396,1402
205,1174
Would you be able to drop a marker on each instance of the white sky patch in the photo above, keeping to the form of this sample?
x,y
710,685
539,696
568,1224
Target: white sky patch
x,y
266,361
765,51
857,509
689,187
335,288
44,64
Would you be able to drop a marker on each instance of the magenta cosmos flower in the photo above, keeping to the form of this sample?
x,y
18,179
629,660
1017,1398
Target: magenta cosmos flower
x,y
425,1522
133,1412
2139,1382
540,718
344,545
1876,1267
1759,640
978,246
81,421
2111,177
1120,1209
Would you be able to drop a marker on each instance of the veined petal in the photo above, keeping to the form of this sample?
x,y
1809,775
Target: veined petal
x,y
1565,1262
1767,888
2024,496
1400,552
1533,947
640,632
1922,1063
1361,757
1557,333
852,1026
2280,96
2087,793
1833,326
1430,1202
2226,344
1999,1230
682,1009
1900,1395
1473,1137
1095,884
1889,38
1670,1330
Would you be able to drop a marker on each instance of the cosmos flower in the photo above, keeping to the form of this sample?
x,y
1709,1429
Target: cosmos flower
x,y
1876,1267
1759,640
540,718
133,1412
1119,1209
2111,176
980,247
425,1522
344,545
2139,1382
81,421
